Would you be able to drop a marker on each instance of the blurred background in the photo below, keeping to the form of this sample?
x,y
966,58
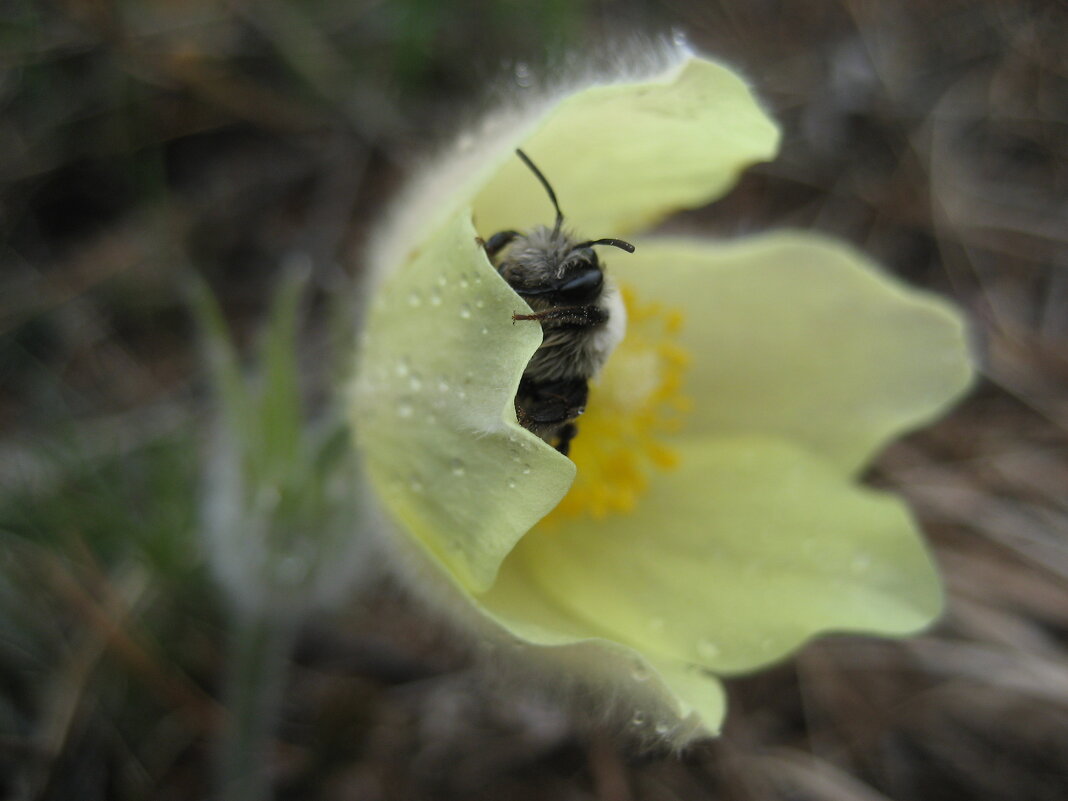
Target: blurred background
x,y
146,141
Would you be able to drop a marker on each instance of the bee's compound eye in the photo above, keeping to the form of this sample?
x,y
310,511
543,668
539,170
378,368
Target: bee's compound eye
x,y
584,287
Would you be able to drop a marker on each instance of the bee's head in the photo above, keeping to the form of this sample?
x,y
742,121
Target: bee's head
x,y
579,277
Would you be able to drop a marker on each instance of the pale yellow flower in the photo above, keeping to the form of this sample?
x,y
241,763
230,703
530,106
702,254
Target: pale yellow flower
x,y
716,522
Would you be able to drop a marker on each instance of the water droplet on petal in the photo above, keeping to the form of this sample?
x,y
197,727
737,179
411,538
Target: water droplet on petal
x,y
707,649
435,297
526,470
479,302
402,368
415,300
465,312
405,410
662,727
415,382
456,467
443,385
512,484
639,671
638,718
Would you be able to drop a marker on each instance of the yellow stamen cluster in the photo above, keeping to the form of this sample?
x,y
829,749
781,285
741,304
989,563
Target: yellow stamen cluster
x,y
635,402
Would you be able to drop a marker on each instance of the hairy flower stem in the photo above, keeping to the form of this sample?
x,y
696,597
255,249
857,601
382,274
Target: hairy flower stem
x,y
259,653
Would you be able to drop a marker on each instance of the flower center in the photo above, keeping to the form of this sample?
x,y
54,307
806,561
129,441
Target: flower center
x,y
634,404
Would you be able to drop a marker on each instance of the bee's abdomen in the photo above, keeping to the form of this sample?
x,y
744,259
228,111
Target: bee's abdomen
x,y
544,407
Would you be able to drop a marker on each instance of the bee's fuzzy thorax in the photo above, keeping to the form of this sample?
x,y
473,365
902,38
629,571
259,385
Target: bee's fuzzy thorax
x,y
567,354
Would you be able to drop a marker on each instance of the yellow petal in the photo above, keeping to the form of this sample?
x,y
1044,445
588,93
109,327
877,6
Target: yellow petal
x,y
747,549
657,697
801,337
624,156
433,408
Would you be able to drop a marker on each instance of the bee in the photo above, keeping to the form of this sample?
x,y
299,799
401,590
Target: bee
x,y
578,307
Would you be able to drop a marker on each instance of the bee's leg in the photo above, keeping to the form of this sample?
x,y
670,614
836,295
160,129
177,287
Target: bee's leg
x,y
498,242
522,416
579,316
566,434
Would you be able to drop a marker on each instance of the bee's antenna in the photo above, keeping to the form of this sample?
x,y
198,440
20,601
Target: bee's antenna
x,y
616,243
548,189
